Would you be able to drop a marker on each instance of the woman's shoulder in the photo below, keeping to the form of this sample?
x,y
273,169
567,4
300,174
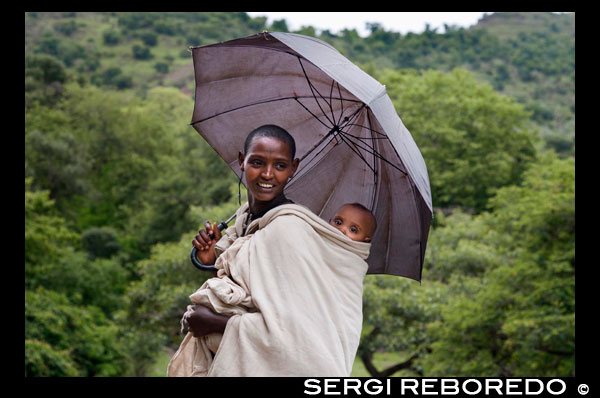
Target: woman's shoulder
x,y
286,210
289,217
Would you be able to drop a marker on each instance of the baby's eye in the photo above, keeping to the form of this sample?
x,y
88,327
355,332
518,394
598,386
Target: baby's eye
x,y
281,166
353,230
337,222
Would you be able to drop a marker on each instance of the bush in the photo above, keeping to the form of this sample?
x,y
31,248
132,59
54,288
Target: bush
x,y
149,39
100,242
66,27
111,37
42,360
137,20
45,68
65,50
113,77
162,67
165,27
63,337
141,53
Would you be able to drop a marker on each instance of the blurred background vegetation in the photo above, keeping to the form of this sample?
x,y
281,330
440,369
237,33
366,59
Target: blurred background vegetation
x,y
117,183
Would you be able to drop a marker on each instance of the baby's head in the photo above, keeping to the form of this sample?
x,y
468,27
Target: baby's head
x,y
355,221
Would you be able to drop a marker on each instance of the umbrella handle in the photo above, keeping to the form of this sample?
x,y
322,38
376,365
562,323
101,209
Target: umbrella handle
x,y
196,262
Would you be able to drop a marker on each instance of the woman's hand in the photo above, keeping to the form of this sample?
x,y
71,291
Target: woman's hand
x,y
203,321
206,245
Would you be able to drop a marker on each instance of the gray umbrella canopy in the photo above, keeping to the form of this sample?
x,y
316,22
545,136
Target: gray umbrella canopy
x,y
352,144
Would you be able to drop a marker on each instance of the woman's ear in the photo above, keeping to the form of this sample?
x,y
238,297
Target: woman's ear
x,y
295,164
241,157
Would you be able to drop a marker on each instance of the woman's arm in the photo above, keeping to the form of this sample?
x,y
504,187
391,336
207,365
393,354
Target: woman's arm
x,y
204,321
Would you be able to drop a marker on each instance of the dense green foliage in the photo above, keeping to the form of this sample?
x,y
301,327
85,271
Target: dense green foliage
x,y
116,183
474,140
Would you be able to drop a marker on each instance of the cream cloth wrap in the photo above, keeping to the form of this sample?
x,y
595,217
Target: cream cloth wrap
x,y
296,302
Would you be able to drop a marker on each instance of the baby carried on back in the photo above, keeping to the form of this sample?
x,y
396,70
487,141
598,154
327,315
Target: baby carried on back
x,y
293,285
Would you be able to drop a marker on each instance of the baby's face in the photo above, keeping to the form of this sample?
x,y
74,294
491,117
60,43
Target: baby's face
x,y
354,223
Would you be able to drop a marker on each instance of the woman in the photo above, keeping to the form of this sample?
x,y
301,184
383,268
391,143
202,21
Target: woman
x,y
268,162
304,278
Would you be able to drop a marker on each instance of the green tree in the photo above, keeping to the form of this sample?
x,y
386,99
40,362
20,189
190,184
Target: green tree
x,y
43,360
396,314
140,177
279,25
473,139
46,233
68,300
518,317
156,301
100,242
53,259
44,79
141,53
45,68
150,39
69,337
111,37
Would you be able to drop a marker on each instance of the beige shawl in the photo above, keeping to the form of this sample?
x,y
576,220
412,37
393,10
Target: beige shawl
x,y
293,285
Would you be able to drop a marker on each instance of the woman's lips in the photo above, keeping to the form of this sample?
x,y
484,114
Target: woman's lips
x,y
265,186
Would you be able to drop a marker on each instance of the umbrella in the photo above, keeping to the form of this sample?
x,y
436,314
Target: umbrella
x,y
352,144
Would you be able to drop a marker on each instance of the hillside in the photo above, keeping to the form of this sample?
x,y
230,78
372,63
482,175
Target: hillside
x,y
528,56
510,24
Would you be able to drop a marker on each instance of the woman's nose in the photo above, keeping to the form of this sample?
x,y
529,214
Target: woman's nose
x,y
267,172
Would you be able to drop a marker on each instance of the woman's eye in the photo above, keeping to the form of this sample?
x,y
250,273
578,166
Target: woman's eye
x,y
281,166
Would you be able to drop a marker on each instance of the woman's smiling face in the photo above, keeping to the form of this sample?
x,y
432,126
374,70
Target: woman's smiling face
x,y
267,164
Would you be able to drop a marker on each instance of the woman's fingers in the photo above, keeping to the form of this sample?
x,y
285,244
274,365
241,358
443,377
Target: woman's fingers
x,y
217,232
202,241
209,228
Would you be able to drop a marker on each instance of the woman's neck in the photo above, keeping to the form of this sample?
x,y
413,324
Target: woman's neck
x,y
258,209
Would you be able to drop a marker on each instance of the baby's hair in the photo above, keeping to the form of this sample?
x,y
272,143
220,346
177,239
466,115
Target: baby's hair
x,y
362,207
271,130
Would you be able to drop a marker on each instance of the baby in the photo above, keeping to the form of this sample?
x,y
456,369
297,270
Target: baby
x,y
355,221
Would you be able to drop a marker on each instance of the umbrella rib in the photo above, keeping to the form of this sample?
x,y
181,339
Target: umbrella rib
x,y
350,118
372,151
313,115
316,145
241,107
347,141
263,102
366,139
375,164
341,102
310,85
370,129
331,102
375,152
298,172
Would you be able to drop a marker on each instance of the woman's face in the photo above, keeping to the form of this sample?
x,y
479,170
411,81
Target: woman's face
x,y
267,165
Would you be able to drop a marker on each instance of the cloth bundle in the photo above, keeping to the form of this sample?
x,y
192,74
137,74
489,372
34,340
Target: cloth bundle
x,y
293,286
